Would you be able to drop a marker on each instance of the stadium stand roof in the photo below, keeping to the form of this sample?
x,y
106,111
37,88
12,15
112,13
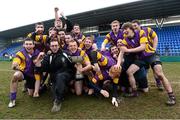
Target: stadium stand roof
x,y
125,12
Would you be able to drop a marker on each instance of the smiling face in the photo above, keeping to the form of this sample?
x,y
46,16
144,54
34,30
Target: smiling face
x,y
88,42
54,46
62,34
114,50
129,32
115,25
136,26
58,24
119,43
52,33
68,38
29,46
73,47
76,29
39,28
128,29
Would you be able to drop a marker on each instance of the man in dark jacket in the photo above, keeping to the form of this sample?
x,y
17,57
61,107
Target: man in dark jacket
x,y
61,70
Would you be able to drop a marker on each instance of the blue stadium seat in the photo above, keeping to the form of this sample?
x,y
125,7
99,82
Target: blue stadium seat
x,y
169,37
12,49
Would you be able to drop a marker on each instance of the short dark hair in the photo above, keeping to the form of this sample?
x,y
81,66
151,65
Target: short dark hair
x,y
53,28
76,25
136,21
28,39
111,47
69,33
62,30
53,40
127,25
39,23
74,41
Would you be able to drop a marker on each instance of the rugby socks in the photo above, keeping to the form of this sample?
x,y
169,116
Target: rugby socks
x,y
13,96
158,82
134,93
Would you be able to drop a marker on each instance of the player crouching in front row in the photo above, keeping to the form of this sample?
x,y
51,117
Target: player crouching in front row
x,y
23,64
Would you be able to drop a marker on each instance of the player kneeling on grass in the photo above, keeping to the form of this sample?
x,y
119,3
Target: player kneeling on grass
x,y
23,64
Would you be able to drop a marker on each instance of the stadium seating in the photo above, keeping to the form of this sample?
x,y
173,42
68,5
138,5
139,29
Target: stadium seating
x,y
11,49
169,41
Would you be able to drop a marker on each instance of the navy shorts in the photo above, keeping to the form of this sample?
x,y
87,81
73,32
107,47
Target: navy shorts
x,y
30,81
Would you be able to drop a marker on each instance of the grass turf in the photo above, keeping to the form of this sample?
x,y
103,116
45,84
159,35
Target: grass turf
x,y
146,106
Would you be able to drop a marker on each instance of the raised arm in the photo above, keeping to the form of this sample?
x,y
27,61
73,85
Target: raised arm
x,y
106,41
120,58
56,9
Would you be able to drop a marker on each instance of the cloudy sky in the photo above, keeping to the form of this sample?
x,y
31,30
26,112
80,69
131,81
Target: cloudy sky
x,y
15,13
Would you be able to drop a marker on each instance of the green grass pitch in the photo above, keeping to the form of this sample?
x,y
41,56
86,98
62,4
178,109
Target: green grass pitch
x,y
147,106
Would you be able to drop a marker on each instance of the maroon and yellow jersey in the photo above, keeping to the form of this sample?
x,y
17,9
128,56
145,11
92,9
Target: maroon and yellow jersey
x,y
25,61
112,38
139,38
151,34
80,36
83,55
39,40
